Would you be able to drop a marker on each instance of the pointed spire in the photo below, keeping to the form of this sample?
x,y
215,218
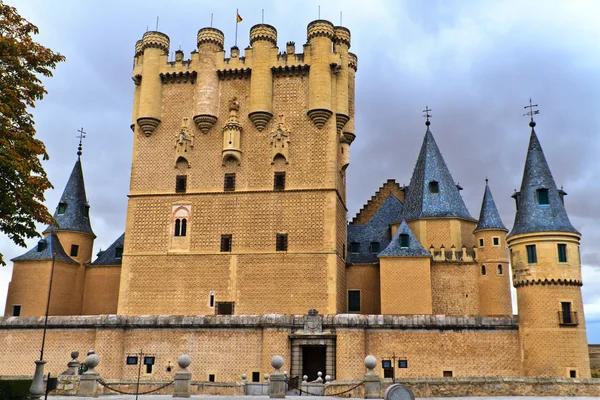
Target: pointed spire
x,y
404,244
45,250
540,207
432,191
489,218
72,213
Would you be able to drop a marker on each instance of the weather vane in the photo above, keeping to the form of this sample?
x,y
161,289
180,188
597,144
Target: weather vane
x,y
81,136
427,115
531,112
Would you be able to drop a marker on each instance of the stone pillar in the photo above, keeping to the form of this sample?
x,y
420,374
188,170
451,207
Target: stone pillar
x,y
73,365
319,377
88,383
277,379
183,378
371,379
304,386
37,385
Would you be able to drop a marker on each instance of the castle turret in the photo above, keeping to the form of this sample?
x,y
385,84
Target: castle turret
x,y
545,261
231,134
154,52
492,257
263,39
320,36
210,46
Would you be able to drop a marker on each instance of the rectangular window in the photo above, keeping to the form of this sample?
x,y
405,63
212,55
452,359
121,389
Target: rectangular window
x,y
353,300
211,299
211,377
388,373
434,187
343,251
562,252
255,376
573,373
119,252
496,241
404,240
149,362
131,360
375,247
542,195
62,207
74,250
229,184
281,242
225,307
181,183
16,310
41,245
531,254
354,248
226,243
447,374
566,315
279,181
480,242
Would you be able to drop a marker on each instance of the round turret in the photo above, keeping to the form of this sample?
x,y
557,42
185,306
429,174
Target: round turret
x,y
320,27
353,61
157,40
138,48
211,35
341,35
263,32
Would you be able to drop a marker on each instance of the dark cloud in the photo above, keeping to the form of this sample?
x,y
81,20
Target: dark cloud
x,y
475,64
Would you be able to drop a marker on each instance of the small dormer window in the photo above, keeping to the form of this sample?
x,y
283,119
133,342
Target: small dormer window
x,y
119,252
42,244
542,197
62,207
404,240
434,187
375,247
354,248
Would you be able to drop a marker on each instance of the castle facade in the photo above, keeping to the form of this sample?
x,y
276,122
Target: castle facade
x,y
236,244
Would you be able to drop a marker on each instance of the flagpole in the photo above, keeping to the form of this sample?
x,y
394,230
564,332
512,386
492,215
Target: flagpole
x,y
236,24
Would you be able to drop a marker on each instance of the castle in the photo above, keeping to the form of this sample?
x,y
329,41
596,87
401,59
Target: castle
x,y
237,227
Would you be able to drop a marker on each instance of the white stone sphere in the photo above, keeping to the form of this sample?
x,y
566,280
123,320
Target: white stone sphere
x,y
285,373
327,378
370,362
74,355
305,378
184,361
92,361
266,377
319,374
244,377
277,362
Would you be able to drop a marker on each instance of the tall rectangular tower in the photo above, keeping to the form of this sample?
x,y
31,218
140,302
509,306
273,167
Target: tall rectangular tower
x,y
237,195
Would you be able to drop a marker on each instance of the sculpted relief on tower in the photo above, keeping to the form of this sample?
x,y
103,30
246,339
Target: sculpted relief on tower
x,y
280,140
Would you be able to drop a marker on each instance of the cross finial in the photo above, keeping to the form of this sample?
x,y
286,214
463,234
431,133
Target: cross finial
x,y
427,115
531,112
81,136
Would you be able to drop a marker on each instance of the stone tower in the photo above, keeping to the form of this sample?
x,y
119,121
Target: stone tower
x,y
66,248
492,256
545,261
237,195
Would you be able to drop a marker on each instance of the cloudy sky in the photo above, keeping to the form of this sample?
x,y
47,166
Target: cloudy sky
x,y
475,63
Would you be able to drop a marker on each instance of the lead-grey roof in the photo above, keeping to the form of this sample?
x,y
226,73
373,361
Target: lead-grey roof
x,y
489,217
531,216
52,242
76,216
376,230
108,256
419,202
414,248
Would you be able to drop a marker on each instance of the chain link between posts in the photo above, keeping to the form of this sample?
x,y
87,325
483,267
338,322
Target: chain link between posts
x,y
330,394
106,385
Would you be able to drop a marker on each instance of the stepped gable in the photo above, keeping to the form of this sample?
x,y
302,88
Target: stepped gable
x,y
109,256
372,206
377,230
489,218
420,201
75,216
395,249
532,216
44,249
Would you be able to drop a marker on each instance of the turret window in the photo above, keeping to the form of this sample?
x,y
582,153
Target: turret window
x,y
404,240
16,310
481,242
566,316
562,252
496,241
62,207
483,271
500,271
375,247
42,244
119,252
434,187
74,250
542,197
531,254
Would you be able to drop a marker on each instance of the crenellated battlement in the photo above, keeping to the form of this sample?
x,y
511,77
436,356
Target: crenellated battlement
x,y
154,39
341,35
320,28
263,32
353,61
210,35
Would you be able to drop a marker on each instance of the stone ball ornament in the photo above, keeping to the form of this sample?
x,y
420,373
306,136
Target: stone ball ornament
x,y
184,361
277,362
92,361
75,355
370,362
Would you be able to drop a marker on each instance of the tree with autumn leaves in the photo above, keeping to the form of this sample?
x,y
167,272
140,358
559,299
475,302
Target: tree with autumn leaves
x,y
23,180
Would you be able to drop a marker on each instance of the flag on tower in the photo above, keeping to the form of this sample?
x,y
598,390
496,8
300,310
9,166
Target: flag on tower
x,y
239,18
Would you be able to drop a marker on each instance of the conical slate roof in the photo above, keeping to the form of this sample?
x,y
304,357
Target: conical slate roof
x,y
532,216
76,213
420,201
414,249
489,218
47,246
376,230
110,256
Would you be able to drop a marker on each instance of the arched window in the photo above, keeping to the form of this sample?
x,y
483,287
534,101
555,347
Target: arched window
x,y
183,227
483,272
177,227
499,269
181,220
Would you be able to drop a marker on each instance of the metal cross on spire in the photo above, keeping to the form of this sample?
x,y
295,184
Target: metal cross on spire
x,y
427,115
81,136
531,112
